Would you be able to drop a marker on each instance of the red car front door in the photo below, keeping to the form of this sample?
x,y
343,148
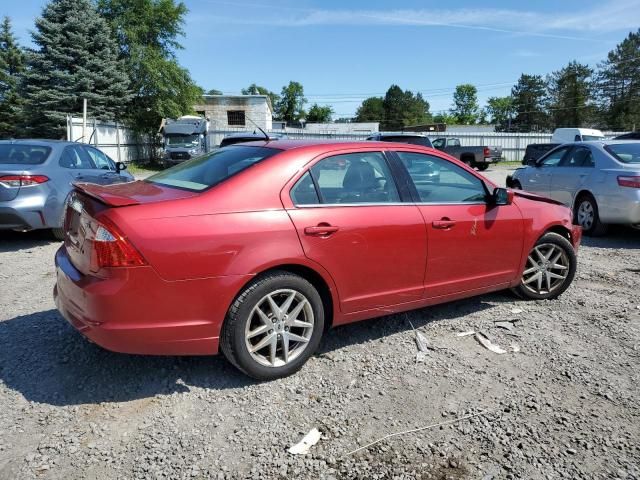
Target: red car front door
x,y
471,244
350,219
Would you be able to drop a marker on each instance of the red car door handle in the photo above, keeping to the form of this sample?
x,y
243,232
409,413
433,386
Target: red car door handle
x,y
320,230
444,224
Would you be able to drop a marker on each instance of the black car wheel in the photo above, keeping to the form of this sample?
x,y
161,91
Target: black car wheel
x,y
587,216
273,326
549,270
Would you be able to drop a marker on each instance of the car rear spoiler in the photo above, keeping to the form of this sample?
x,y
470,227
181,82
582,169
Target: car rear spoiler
x,y
104,194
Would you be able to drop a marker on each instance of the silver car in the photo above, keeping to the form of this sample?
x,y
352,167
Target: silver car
x,y
36,177
600,180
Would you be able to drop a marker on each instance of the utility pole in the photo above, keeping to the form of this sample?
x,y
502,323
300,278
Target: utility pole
x,y
84,120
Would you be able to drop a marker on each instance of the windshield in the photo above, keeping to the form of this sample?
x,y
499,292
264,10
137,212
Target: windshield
x,y
204,172
23,154
589,138
625,152
180,140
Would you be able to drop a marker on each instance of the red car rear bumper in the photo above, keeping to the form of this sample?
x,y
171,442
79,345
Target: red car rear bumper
x,y
136,311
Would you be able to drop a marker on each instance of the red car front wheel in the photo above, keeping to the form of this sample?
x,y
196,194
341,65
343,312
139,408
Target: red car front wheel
x,y
550,268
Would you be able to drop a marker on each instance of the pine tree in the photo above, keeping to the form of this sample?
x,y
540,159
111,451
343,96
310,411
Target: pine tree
x,y
403,108
529,97
76,59
570,96
12,65
619,85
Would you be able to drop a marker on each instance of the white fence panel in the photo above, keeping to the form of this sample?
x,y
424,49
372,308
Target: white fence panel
x,y
121,143
114,139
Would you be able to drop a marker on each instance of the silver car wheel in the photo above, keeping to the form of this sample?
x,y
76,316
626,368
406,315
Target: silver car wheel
x,y
546,270
279,328
586,214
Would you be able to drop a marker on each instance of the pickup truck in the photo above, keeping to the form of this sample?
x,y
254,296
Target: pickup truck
x,y
478,157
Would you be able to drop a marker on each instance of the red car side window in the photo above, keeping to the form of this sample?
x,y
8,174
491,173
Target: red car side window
x,y
304,191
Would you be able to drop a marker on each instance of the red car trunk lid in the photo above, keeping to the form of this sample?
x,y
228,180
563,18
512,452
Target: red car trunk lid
x,y
90,202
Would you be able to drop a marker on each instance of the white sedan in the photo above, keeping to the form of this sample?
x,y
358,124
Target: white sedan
x,y
600,180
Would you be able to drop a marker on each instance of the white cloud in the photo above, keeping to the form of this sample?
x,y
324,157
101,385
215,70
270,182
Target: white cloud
x,y
609,16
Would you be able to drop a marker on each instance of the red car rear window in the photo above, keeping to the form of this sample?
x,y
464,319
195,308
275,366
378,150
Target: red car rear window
x,y
209,170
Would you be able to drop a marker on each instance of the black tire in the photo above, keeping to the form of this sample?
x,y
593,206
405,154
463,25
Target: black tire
x,y
516,185
467,160
569,260
483,166
58,233
593,227
233,341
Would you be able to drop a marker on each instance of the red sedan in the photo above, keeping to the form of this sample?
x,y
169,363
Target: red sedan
x,y
255,249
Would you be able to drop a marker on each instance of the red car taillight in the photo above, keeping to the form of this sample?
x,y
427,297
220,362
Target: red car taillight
x,y
15,181
487,152
112,249
628,181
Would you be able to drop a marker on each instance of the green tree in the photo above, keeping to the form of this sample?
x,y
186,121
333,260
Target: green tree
x,y
12,66
371,110
147,32
213,91
570,96
500,110
254,89
529,98
444,117
76,58
465,104
403,108
319,114
618,85
290,106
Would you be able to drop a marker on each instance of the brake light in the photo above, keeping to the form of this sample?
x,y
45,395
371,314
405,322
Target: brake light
x,y
17,181
487,152
629,181
112,249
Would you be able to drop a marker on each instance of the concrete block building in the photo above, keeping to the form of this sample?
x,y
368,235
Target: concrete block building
x,y
232,112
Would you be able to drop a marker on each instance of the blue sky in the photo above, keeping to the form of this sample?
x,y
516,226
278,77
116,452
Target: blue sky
x,y
343,52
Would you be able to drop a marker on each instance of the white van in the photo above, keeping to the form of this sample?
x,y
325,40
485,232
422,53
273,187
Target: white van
x,y
568,135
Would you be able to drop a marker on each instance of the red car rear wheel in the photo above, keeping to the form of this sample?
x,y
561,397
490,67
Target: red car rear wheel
x,y
274,326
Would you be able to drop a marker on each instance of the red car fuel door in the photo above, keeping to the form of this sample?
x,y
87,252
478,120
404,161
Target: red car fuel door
x,y
350,219
472,244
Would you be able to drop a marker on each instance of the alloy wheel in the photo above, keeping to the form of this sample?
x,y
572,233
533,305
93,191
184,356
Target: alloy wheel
x,y
586,214
279,328
546,270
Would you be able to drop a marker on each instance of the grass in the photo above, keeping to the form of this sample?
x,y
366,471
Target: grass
x,y
146,169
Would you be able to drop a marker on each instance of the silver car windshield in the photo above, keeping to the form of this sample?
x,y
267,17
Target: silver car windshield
x,y
625,152
20,154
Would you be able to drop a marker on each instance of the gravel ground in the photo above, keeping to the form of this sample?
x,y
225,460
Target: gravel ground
x,y
565,406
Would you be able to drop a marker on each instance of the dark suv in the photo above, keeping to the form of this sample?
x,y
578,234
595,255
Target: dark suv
x,y
413,139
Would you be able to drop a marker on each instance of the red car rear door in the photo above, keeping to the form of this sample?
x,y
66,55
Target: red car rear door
x,y
350,217
472,244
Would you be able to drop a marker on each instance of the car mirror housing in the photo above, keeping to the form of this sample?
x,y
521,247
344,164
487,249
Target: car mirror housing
x,y
120,166
502,196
